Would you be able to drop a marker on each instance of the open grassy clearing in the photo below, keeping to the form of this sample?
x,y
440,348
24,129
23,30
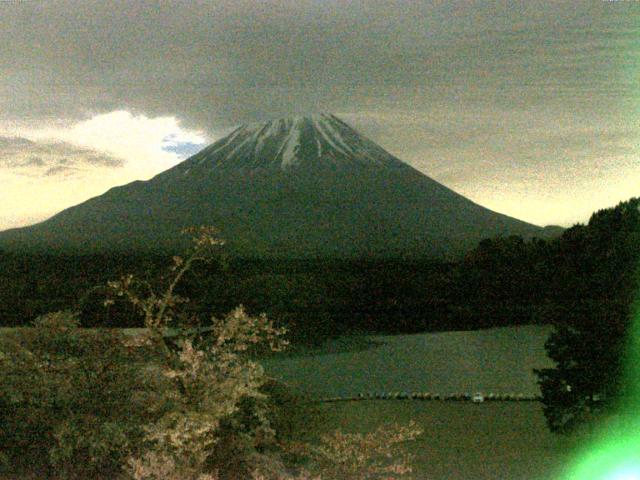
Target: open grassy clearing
x,y
496,440
497,360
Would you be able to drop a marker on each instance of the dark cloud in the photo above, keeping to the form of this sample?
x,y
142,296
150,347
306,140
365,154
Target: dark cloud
x,y
15,143
226,62
34,162
50,158
59,170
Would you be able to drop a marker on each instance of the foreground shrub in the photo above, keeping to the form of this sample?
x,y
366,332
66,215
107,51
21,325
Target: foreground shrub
x,y
219,418
72,401
377,455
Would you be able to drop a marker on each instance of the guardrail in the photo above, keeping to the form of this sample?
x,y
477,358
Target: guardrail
x,y
461,397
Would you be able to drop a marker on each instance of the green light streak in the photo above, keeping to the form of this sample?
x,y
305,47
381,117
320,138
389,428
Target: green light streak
x,y
615,456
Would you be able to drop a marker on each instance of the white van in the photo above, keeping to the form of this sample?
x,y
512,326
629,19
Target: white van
x,y
477,398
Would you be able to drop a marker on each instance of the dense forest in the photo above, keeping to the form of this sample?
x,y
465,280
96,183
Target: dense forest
x,y
315,299
499,283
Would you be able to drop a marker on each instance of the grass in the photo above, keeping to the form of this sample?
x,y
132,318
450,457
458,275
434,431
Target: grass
x,y
464,441
499,360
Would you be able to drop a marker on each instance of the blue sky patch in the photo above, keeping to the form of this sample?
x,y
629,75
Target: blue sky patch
x,y
182,149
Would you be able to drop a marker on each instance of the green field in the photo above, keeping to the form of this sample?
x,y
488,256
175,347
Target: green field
x,y
499,360
462,440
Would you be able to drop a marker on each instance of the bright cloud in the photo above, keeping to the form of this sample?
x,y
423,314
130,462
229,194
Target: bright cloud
x,y
46,168
137,139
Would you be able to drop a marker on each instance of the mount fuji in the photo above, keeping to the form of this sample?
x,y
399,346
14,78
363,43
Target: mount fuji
x,y
303,187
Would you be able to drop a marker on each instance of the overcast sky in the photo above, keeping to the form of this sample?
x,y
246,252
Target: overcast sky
x,y
530,108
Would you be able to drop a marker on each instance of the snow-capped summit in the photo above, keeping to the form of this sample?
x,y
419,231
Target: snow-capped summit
x,y
286,143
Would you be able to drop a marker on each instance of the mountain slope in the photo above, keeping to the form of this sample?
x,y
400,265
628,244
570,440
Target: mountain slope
x,y
299,187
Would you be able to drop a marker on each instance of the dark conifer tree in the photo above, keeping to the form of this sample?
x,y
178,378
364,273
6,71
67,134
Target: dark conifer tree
x,y
590,305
